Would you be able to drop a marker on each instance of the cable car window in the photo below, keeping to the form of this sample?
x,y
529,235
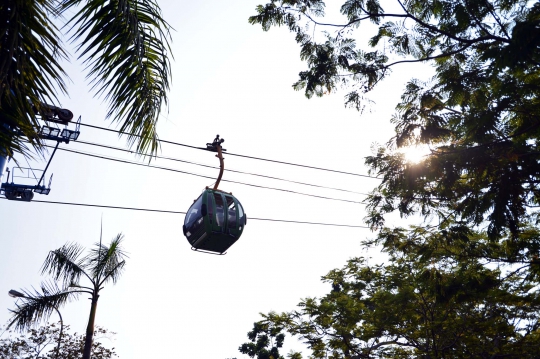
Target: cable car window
x,y
210,208
219,209
240,211
231,212
194,213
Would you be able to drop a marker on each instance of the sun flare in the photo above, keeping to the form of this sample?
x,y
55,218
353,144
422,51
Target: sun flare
x,y
415,154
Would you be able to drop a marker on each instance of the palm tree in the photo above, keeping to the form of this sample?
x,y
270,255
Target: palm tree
x,y
123,43
101,265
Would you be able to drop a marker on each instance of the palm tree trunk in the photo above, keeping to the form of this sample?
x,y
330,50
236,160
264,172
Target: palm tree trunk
x,y
90,328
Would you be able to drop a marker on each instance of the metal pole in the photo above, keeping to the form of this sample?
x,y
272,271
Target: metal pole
x,y
3,161
48,163
3,157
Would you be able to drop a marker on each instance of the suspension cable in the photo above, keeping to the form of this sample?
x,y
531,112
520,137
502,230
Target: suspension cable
x,y
239,155
180,212
215,167
203,176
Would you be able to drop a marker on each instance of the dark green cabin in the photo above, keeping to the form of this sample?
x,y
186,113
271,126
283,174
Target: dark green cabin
x,y
214,222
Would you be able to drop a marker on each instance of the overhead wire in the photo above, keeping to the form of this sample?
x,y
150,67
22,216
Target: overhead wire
x,y
180,212
203,176
215,167
239,155
230,181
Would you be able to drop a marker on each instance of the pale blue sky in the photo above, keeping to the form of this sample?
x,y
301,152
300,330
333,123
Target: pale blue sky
x,y
233,79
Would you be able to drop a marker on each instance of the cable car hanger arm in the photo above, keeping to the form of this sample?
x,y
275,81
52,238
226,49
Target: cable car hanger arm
x,y
216,147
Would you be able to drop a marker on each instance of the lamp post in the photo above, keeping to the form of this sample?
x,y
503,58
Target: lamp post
x,y
15,294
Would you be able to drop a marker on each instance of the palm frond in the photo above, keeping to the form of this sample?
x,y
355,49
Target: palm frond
x,y
125,44
107,262
30,73
64,264
37,306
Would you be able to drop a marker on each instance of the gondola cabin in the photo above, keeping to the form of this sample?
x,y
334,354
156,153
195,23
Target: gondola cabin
x,y
214,222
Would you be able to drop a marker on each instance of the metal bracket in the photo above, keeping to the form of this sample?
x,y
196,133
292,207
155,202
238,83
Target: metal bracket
x,y
50,113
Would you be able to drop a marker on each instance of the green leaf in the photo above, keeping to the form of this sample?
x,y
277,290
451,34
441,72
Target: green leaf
x,y
125,46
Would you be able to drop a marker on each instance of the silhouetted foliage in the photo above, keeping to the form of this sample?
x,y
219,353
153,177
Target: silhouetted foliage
x,y
265,341
41,342
104,264
437,297
124,45
464,284
479,114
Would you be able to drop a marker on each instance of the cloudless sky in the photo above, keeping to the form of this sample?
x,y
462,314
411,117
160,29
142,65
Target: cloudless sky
x,y
233,79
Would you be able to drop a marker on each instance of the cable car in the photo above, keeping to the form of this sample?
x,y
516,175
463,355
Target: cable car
x,y
215,220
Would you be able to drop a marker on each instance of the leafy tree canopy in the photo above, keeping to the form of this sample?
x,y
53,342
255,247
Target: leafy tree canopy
x,y
466,286
266,340
41,343
432,300
123,43
480,114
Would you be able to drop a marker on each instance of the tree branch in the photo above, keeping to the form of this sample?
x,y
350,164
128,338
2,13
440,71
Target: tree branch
x,y
447,34
414,61
327,24
492,12
111,272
